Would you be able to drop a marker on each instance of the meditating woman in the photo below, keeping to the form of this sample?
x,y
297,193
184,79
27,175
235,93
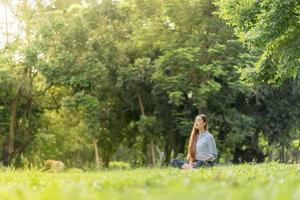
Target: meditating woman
x,y
202,147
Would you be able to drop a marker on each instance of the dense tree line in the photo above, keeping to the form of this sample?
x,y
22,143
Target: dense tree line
x,y
123,80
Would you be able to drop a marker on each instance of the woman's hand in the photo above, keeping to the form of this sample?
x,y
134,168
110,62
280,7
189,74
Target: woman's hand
x,y
208,158
195,125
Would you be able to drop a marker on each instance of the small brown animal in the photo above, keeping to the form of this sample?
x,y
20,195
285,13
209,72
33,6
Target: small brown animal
x,y
54,165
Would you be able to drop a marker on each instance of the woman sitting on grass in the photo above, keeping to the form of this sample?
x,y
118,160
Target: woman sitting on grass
x,y
202,147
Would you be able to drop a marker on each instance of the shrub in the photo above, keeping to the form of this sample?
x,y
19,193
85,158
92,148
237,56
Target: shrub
x,y
119,165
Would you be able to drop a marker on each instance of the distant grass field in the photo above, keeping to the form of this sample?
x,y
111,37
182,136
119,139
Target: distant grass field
x,y
241,182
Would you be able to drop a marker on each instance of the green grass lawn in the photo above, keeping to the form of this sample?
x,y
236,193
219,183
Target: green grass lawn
x,y
264,181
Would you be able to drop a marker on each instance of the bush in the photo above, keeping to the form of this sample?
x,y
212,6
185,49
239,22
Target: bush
x,y
119,165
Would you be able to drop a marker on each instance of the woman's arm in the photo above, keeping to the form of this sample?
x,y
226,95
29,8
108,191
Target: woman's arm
x,y
212,149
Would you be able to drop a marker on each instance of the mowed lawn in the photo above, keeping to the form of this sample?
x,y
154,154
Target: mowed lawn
x,y
257,181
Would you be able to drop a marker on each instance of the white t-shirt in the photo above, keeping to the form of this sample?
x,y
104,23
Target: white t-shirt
x,y
206,146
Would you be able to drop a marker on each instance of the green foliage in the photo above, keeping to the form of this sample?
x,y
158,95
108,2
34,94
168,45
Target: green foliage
x,y
119,165
176,98
279,116
71,145
272,29
134,74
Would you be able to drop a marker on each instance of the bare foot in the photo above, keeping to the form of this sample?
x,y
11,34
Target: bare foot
x,y
186,166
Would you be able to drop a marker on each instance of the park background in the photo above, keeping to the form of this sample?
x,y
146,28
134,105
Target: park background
x,y
94,83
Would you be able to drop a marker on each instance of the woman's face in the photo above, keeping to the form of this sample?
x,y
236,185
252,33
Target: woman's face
x,y
200,123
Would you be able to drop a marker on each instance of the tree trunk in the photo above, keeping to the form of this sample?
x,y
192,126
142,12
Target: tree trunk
x,y
141,105
28,135
152,153
96,153
12,131
181,144
167,153
254,140
177,144
145,151
5,160
106,158
29,105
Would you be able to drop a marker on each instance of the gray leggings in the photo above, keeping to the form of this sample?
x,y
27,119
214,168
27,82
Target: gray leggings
x,y
195,164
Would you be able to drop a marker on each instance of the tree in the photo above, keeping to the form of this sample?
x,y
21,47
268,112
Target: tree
x,y
19,96
270,28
